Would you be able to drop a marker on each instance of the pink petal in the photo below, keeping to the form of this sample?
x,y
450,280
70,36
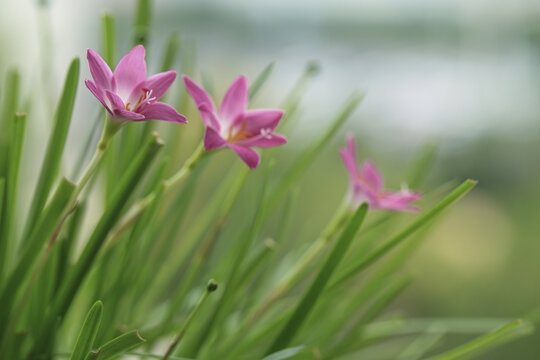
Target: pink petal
x,y
158,84
249,156
130,71
201,97
372,176
235,100
351,146
264,141
350,163
101,73
116,101
126,115
255,120
208,117
399,201
212,139
98,93
162,111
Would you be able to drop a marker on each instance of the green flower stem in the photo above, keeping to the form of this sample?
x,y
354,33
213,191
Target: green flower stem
x,y
139,207
210,288
293,276
111,128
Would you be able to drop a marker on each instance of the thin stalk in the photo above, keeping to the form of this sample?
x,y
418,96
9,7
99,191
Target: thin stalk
x,y
210,288
292,277
140,206
108,132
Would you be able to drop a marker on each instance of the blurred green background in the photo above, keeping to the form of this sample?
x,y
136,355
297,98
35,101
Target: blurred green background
x,y
464,75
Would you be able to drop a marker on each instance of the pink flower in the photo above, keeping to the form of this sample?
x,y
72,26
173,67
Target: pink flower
x,y
127,94
234,126
366,185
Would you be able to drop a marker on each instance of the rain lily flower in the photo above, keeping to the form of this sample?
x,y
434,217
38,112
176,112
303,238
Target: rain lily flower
x,y
233,126
127,94
366,185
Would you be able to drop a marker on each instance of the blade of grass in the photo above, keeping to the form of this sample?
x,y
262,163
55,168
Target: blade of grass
x,y
9,107
285,354
55,147
374,310
241,251
34,246
260,80
171,51
451,198
112,213
108,35
316,288
421,345
490,339
88,332
17,129
142,21
120,345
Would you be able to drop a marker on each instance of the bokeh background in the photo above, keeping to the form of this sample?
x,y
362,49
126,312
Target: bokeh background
x,y
463,75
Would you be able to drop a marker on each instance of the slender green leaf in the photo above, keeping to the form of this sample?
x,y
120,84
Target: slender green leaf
x,y
285,354
241,250
2,192
171,50
421,344
142,21
120,345
260,80
17,130
316,288
40,233
55,147
9,107
479,343
427,216
112,213
88,333
108,34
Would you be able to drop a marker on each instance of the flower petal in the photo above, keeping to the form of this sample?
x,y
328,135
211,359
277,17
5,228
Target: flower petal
x,y
249,156
158,84
162,111
263,141
201,97
101,73
212,139
98,93
348,155
125,115
372,176
235,100
208,117
130,71
399,200
115,100
255,120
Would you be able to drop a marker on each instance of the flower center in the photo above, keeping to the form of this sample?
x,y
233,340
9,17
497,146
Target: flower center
x,y
146,97
238,133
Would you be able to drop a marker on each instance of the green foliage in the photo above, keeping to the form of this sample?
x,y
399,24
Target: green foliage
x,y
55,147
88,333
311,296
146,249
